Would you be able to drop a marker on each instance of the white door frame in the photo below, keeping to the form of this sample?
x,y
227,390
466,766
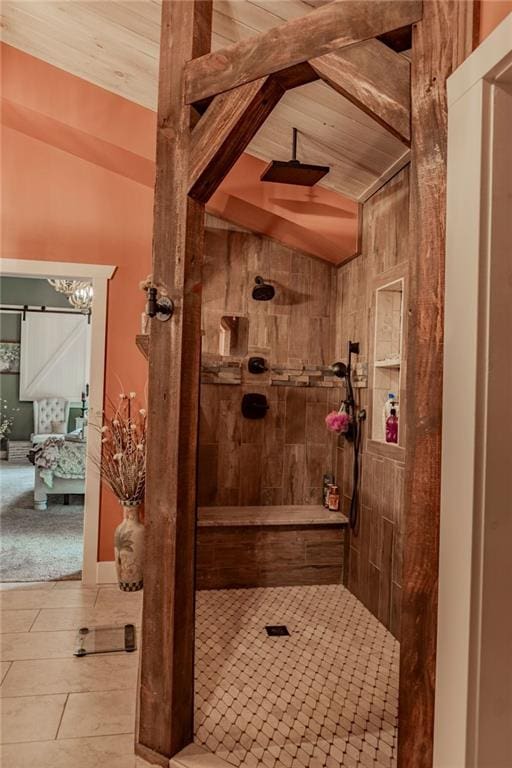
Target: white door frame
x,y
99,274
473,714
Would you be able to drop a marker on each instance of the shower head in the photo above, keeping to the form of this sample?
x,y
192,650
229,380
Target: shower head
x,y
262,291
293,171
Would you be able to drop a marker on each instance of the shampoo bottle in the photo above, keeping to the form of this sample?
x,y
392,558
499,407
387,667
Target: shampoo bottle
x,y
392,427
388,405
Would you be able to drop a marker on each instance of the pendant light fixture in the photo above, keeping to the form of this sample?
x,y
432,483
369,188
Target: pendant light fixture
x,y
81,299
79,293
67,287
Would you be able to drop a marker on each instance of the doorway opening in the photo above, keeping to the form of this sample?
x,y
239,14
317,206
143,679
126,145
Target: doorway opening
x,y
53,340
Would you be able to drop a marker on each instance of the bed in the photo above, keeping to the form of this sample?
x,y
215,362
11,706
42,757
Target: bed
x,y
59,468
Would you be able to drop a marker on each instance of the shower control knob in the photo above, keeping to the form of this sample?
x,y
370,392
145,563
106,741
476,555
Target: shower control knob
x,y
256,365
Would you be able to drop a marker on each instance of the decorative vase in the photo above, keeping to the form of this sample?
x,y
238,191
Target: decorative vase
x,y
129,548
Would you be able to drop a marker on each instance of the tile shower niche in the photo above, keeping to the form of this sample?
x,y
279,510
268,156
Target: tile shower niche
x,y
387,354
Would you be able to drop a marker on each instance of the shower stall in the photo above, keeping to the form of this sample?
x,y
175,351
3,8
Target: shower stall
x,y
280,578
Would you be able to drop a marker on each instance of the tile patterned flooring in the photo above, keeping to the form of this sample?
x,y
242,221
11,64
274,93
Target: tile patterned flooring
x,y
57,711
325,697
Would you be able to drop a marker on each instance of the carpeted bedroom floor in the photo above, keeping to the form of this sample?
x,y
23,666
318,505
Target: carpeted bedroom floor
x,y
37,545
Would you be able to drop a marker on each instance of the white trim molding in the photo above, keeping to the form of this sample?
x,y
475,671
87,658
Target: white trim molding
x,y
106,572
99,274
474,674
31,268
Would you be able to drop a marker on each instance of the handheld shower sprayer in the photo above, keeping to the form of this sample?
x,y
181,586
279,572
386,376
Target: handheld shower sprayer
x,y
354,432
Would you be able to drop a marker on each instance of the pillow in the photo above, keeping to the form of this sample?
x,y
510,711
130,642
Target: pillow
x,y
59,427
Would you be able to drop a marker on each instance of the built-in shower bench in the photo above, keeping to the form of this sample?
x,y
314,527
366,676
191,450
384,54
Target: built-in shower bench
x,y
269,546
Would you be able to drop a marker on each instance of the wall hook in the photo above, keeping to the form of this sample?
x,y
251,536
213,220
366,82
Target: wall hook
x,y
160,307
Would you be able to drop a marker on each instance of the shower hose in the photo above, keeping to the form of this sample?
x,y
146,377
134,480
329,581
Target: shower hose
x,y
353,516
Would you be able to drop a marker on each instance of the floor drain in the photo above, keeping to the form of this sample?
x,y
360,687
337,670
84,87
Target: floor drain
x,y
277,630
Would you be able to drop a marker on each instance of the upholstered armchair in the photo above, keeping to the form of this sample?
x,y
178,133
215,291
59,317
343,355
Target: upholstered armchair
x,y
51,416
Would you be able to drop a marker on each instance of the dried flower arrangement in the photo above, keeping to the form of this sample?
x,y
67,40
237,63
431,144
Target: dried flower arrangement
x,y
123,451
6,417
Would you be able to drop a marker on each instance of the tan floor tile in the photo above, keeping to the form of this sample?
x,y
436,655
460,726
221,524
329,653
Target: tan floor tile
x,y
15,599
4,668
112,597
74,618
195,756
98,752
17,621
76,675
5,586
36,645
98,714
70,598
30,718
71,584
47,598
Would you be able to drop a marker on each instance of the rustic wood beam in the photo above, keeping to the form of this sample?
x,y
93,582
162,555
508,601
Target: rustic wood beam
x,y
296,75
388,174
398,40
338,24
225,130
166,696
441,41
375,79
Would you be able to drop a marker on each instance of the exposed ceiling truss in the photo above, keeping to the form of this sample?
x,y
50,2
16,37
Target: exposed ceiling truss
x,y
115,44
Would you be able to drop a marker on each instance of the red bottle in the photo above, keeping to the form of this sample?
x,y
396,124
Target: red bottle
x,y
392,427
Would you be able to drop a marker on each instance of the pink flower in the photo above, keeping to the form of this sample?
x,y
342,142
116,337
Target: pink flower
x,y
337,422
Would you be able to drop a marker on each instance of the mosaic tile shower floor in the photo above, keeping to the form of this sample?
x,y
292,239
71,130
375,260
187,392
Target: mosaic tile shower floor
x,y
327,696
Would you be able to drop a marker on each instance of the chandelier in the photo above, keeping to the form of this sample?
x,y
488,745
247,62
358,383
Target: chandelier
x,y
82,298
67,287
79,293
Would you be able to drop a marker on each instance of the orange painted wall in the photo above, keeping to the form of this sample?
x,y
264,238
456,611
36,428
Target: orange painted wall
x,y
491,13
60,203
61,208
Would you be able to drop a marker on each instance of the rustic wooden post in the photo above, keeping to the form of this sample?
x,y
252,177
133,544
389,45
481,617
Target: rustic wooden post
x,y
166,675
441,41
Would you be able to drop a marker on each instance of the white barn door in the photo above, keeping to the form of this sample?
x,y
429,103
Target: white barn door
x,y
55,352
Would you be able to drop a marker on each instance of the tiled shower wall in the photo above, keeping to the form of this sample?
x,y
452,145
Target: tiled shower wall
x,y
375,551
280,459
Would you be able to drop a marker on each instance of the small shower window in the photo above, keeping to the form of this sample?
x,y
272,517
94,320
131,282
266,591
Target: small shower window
x,y
387,359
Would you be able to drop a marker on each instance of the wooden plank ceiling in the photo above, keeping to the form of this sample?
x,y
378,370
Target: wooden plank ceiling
x,y
115,44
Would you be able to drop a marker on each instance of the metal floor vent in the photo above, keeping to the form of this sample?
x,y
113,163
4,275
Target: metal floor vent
x,y
277,630
105,639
